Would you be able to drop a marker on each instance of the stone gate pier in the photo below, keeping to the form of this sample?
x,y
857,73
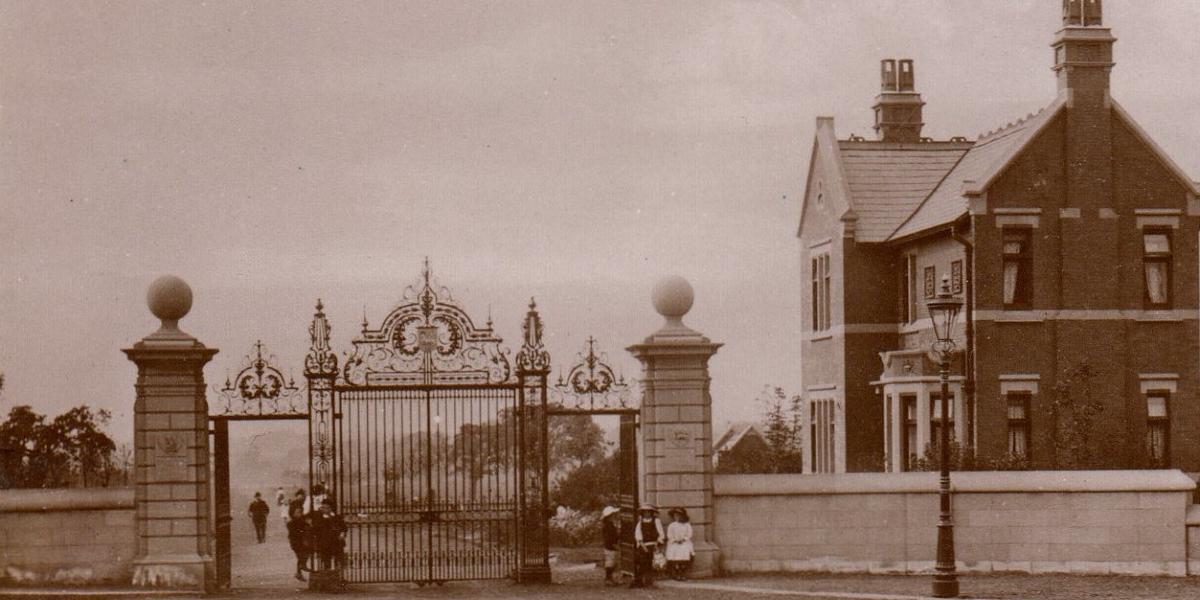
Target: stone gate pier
x,y
171,448
677,419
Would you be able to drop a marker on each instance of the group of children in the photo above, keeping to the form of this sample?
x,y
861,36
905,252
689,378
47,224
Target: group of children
x,y
671,550
315,529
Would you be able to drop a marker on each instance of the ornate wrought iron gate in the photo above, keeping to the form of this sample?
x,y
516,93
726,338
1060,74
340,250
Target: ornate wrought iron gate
x,y
427,478
591,388
259,392
432,446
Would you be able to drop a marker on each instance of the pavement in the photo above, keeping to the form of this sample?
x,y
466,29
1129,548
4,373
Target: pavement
x,y
265,571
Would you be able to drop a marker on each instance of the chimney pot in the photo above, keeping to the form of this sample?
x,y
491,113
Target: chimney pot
x,y
907,76
1082,13
887,75
898,106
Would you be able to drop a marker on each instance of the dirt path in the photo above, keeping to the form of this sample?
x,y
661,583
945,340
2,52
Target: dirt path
x,y
270,565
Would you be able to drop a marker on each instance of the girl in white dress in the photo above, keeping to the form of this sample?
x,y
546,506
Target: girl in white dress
x,y
679,544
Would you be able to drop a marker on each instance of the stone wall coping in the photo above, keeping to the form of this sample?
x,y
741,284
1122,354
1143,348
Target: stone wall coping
x,y
1193,515
63,499
962,482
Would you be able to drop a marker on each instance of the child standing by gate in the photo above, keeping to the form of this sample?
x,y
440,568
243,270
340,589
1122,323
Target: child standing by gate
x,y
679,544
611,533
648,537
297,527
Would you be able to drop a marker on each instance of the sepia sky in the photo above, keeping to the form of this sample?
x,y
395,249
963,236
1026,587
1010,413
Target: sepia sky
x,y
273,153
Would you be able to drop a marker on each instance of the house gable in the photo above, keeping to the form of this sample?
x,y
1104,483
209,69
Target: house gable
x,y
826,188
1127,125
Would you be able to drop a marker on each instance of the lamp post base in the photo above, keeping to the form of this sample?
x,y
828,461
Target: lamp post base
x,y
945,586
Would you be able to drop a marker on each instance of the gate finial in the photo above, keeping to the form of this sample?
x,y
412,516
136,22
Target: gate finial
x,y
320,360
170,299
533,358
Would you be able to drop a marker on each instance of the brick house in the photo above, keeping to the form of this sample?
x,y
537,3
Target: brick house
x,y
1072,238
742,449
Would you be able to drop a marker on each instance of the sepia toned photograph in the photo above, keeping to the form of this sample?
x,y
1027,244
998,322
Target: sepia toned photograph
x,y
558,299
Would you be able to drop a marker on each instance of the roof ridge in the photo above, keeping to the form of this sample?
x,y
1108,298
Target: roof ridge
x,y
1011,127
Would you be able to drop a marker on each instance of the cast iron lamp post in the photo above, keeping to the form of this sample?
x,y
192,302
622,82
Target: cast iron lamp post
x,y
943,311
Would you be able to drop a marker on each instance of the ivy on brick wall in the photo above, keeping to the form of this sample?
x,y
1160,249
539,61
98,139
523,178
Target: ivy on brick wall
x,y
1073,411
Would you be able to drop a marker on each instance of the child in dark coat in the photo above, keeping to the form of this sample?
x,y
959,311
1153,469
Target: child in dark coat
x,y
297,527
612,537
328,532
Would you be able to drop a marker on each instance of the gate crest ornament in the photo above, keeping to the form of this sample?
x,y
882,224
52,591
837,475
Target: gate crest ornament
x,y
592,385
427,339
260,389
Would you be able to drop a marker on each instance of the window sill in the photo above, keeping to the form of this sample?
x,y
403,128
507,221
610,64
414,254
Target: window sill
x,y
1020,315
821,338
1160,315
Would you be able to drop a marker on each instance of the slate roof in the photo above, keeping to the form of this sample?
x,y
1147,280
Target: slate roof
x,y
888,181
733,435
980,165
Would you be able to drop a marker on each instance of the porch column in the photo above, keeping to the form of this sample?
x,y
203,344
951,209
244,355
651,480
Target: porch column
x,y
171,449
677,419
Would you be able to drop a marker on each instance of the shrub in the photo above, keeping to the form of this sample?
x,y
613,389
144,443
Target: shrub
x,y
570,527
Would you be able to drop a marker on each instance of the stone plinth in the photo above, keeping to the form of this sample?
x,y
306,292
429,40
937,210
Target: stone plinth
x,y
676,420
171,449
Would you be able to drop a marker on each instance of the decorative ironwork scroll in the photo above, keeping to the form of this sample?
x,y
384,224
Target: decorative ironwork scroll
x,y
592,385
260,390
320,368
427,339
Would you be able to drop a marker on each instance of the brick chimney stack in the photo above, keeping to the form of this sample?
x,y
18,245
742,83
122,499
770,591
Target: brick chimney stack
x,y
898,105
1083,60
1083,49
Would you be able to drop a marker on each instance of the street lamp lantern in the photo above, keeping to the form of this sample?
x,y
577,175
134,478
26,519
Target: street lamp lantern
x,y
943,311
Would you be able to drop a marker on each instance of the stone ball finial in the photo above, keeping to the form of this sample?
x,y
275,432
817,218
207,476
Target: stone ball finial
x,y
673,297
170,299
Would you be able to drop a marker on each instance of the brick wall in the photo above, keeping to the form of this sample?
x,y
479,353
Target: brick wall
x,y
67,537
1119,522
1087,263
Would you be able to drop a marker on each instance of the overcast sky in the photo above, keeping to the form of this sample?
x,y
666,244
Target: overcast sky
x,y
273,153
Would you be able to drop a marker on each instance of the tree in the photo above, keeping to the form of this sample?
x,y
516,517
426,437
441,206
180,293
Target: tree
x,y
70,450
574,441
76,438
783,430
589,486
19,434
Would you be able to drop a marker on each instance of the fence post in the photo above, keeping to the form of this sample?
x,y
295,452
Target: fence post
x,y
533,368
174,548
677,419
